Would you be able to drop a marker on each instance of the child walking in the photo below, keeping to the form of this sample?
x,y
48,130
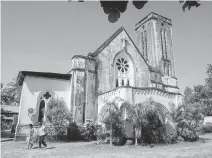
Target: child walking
x,y
30,136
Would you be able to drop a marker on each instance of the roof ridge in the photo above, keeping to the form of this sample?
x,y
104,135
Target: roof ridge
x,y
114,35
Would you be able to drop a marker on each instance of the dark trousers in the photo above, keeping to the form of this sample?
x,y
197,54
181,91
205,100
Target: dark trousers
x,y
41,141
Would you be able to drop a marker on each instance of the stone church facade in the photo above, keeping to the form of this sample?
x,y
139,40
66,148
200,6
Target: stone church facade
x,y
119,68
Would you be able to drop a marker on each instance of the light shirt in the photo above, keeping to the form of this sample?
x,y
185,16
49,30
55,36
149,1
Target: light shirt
x,y
42,131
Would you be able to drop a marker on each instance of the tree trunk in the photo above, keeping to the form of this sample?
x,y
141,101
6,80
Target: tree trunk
x,y
111,133
136,137
141,132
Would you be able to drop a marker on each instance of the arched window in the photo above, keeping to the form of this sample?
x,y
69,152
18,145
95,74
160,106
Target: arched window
x,y
164,44
42,105
41,111
123,70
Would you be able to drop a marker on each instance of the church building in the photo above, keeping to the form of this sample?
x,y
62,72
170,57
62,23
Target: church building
x,y
119,68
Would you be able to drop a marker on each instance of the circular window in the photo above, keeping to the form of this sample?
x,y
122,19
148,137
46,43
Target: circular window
x,y
122,65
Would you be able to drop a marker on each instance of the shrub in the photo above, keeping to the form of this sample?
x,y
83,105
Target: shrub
x,y
170,134
207,128
88,132
73,132
102,135
189,119
51,132
58,118
119,136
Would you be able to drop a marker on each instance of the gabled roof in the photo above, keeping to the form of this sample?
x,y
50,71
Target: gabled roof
x,y
22,75
107,42
110,39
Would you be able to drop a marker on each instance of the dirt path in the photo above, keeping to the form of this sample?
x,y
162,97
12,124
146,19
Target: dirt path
x,y
202,148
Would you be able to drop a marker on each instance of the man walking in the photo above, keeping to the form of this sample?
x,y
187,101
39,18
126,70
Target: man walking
x,y
42,135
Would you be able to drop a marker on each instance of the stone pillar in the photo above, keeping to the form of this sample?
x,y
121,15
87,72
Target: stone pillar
x,y
90,106
83,90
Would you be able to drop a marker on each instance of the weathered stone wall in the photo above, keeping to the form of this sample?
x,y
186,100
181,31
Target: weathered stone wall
x,y
105,59
79,95
91,106
83,92
159,41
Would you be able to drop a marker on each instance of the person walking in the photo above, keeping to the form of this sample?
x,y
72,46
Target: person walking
x,y
42,135
30,136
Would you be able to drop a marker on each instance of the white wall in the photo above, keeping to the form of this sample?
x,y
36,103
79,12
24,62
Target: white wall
x,y
139,96
33,86
165,99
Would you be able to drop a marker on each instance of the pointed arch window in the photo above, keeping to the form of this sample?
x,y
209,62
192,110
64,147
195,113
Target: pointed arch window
x,y
42,105
123,70
164,43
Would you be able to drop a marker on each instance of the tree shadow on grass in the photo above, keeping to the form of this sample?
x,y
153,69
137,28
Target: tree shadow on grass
x,y
44,147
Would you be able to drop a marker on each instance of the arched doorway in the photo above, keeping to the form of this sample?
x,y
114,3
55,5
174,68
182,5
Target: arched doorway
x,y
41,111
44,99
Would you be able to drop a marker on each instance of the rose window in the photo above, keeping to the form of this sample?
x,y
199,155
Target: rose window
x,y
122,65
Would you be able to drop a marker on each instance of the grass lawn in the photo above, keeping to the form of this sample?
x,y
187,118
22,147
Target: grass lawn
x,y
201,148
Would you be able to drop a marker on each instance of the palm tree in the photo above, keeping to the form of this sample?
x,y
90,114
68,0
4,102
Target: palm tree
x,y
110,116
140,114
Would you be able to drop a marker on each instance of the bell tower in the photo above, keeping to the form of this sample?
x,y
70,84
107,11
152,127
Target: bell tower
x,y
154,40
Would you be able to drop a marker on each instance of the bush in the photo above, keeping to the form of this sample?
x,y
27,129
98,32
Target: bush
x,y
189,119
102,136
88,132
51,132
58,118
73,132
188,134
170,134
207,128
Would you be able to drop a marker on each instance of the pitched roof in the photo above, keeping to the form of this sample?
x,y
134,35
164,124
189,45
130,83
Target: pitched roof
x,y
22,75
110,39
95,53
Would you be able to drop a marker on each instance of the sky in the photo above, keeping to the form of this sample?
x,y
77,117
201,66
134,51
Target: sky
x,y
44,36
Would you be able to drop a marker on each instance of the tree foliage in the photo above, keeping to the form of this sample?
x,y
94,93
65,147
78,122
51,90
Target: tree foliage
x,y
58,117
114,8
201,94
112,120
10,92
88,131
189,118
150,117
146,118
